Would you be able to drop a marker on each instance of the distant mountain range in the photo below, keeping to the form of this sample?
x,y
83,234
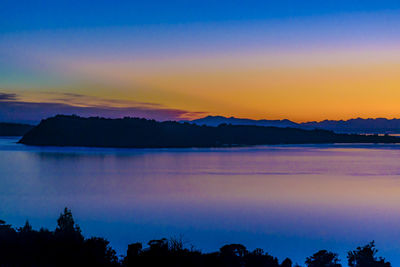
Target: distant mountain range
x,y
369,126
217,120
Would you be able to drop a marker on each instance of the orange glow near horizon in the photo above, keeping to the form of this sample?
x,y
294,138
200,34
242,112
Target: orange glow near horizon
x,y
305,83
300,88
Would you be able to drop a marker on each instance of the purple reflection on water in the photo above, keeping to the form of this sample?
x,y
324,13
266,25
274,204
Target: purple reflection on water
x,y
289,200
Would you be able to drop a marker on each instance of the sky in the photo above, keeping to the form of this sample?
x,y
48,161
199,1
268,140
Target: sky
x,y
178,60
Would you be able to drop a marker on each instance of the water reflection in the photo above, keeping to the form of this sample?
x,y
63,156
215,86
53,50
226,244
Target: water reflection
x,y
289,200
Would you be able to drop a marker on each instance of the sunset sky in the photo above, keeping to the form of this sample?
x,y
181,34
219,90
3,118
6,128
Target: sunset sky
x,y
297,60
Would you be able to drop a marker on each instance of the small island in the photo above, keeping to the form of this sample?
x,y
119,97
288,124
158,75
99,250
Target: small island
x,y
72,130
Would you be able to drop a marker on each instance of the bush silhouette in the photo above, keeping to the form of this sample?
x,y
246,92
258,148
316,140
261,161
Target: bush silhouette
x,y
287,263
323,258
366,257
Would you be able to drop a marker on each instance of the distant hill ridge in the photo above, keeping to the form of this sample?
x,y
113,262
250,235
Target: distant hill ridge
x,y
142,133
217,120
358,125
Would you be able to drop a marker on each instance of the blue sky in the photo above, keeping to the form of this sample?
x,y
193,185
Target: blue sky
x,y
40,15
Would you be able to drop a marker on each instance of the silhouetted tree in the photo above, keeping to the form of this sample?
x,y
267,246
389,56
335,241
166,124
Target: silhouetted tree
x,y
27,228
323,258
175,244
286,263
232,255
66,225
69,241
237,250
134,249
97,252
259,258
366,257
8,243
158,245
132,255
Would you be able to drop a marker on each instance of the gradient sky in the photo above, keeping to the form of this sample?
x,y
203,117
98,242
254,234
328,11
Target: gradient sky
x,y
300,60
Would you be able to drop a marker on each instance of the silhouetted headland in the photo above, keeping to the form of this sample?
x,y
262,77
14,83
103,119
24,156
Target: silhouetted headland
x,y
14,129
64,130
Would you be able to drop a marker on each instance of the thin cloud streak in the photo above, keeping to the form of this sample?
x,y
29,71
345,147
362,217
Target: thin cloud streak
x,y
8,96
75,99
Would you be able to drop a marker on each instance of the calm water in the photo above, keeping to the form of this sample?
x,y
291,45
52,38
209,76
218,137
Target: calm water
x,y
289,200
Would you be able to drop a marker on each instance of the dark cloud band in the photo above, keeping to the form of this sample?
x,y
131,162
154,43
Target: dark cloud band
x,y
28,112
12,109
8,96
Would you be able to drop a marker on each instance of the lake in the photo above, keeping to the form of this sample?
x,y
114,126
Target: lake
x,y
289,200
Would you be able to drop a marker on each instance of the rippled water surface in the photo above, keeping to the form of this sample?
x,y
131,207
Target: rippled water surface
x,y
289,200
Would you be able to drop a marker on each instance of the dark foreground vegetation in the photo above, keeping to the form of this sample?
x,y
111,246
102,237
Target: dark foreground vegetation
x,y
14,129
141,133
66,246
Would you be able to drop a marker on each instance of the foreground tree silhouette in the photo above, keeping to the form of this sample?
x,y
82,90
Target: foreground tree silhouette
x,y
69,240
366,257
97,252
132,255
66,226
27,228
8,243
287,263
232,255
73,249
323,258
66,246
259,258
